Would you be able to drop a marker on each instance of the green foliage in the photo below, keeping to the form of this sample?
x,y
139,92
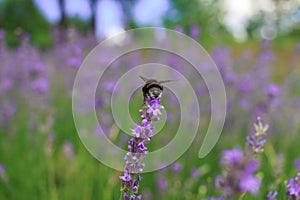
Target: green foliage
x,y
202,13
18,17
81,25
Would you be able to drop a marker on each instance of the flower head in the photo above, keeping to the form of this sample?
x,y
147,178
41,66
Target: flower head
x,y
137,148
257,140
293,187
272,195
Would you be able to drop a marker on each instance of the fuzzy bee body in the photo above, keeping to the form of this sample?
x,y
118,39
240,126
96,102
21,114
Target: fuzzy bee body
x,y
153,88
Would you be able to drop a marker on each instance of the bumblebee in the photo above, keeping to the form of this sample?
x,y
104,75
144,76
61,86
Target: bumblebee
x,y
153,88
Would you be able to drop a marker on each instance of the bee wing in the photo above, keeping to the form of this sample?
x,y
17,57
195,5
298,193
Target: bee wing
x,y
144,79
166,81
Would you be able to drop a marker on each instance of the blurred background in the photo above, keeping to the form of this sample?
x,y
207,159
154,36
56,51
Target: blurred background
x,y
255,44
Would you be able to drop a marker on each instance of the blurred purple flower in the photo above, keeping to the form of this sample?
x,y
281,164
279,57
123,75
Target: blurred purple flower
x,y
221,56
244,104
250,183
7,84
240,176
195,32
37,67
265,43
297,164
2,34
272,91
3,175
68,150
272,195
298,47
179,29
245,84
2,169
293,187
195,173
74,62
40,85
162,184
232,158
176,167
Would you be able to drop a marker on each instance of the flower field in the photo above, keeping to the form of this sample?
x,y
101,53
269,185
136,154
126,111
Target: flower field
x,y
256,157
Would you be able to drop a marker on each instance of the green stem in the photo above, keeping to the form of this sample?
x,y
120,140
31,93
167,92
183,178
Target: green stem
x,y
121,196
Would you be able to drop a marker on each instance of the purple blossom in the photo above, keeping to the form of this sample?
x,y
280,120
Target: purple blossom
x,y
68,150
232,158
179,29
298,47
195,173
2,169
40,85
297,164
272,91
195,32
154,109
137,149
162,184
240,170
176,167
293,187
272,195
2,34
257,140
250,183
265,43
3,175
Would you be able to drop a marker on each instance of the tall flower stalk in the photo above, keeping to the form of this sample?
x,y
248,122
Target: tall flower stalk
x,y
240,166
137,149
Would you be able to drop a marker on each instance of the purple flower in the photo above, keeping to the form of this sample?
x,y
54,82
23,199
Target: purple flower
x,y
256,143
251,167
176,167
137,149
240,176
2,169
293,187
195,32
257,140
246,83
40,85
68,150
297,164
137,131
272,91
154,109
2,173
2,34
250,183
231,158
195,172
179,29
126,177
298,47
265,43
272,195
162,184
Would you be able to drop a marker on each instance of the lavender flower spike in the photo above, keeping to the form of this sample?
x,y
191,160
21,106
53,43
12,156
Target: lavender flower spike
x,y
137,149
293,187
257,140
